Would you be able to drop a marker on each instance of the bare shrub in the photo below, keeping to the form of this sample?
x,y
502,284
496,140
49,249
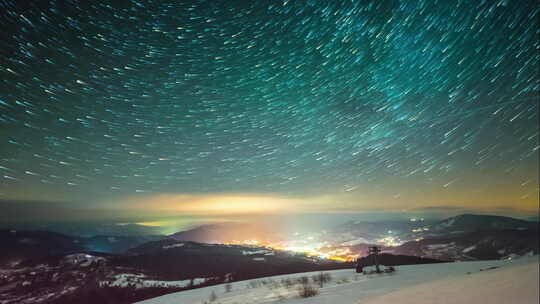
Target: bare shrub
x,y
254,284
303,280
213,296
321,278
288,283
272,284
306,291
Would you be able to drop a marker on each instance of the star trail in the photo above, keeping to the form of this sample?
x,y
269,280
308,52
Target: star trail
x,y
346,104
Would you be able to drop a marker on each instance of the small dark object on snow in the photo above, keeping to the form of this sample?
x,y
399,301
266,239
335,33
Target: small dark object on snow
x,y
389,269
489,268
374,251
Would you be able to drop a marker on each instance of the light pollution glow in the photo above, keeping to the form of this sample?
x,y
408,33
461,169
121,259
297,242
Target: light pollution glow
x,y
262,203
219,204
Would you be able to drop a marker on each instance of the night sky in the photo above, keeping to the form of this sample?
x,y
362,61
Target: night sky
x,y
256,106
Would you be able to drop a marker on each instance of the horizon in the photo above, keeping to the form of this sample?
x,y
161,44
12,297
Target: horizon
x,y
94,222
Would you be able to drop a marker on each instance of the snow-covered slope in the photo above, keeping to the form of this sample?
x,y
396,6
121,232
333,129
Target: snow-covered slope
x,y
504,285
347,287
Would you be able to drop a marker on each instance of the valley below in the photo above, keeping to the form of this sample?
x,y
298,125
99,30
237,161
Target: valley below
x,y
49,267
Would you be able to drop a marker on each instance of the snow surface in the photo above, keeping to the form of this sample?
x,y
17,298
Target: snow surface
x,y
244,252
437,246
82,259
140,281
470,249
173,246
420,283
517,285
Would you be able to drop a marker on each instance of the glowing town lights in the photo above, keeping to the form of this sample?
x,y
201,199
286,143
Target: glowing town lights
x,y
251,242
389,241
308,249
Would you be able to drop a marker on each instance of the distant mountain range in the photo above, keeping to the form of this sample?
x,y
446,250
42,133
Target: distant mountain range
x,y
471,222
477,245
17,246
370,232
226,233
20,245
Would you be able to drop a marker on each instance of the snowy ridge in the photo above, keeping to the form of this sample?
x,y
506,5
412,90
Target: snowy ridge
x,y
346,287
